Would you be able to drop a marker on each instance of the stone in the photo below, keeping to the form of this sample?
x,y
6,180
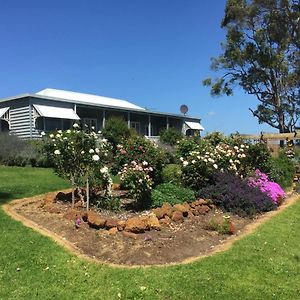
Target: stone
x,y
121,225
113,230
177,216
203,209
183,208
165,221
136,225
110,223
50,198
130,235
116,186
202,202
153,222
159,212
72,214
194,211
95,220
190,215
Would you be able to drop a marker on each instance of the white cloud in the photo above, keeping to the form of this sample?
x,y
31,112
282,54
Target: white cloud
x,y
211,113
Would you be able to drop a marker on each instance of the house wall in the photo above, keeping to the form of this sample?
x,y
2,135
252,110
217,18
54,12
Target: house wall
x,y
19,117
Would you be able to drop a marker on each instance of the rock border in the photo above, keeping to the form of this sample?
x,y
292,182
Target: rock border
x,y
11,207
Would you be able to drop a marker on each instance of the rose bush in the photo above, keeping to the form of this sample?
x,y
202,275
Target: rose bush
x,y
78,156
139,149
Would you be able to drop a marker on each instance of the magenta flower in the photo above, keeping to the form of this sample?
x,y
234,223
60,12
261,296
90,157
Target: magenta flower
x,y
271,188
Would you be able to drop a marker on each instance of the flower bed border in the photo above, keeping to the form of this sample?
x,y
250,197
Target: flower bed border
x,y
11,209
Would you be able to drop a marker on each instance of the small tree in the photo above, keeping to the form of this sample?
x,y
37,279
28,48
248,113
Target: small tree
x,y
76,155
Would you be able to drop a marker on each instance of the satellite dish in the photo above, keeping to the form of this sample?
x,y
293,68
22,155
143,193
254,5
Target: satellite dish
x,y
184,109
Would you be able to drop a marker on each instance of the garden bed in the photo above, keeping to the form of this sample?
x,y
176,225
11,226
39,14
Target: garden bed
x,y
173,243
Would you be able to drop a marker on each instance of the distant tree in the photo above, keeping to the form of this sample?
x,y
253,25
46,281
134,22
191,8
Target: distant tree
x,y
262,55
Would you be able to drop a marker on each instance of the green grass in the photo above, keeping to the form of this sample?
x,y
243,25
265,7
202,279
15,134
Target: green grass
x,y
265,265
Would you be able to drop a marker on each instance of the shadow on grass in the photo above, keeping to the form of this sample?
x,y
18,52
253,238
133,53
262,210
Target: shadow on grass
x,y
6,197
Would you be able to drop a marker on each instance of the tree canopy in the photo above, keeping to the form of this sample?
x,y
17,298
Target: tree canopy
x,y
261,54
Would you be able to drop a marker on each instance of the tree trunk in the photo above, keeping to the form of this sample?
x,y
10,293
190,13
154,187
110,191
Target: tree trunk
x,y
87,195
73,192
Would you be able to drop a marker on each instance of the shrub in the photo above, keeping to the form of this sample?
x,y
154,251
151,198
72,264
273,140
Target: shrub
x,y
17,152
185,146
170,136
223,227
171,193
259,158
272,189
115,130
234,194
282,171
172,174
138,149
200,165
137,180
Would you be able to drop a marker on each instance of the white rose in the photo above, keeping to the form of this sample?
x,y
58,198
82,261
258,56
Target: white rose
x,y
95,157
57,152
215,166
75,125
82,152
97,150
43,133
185,163
51,135
145,163
91,151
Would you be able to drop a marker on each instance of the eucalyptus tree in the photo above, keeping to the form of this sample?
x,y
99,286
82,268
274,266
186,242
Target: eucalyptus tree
x,y
261,54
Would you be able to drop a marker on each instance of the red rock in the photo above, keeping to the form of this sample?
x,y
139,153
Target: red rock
x,y
116,186
110,223
183,208
121,225
50,198
136,225
130,235
190,215
72,214
202,202
203,209
95,220
159,212
153,222
113,230
165,221
177,216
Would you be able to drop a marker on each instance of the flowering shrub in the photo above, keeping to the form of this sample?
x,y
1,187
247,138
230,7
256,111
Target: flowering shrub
x,y
272,189
234,194
136,177
78,155
199,165
139,149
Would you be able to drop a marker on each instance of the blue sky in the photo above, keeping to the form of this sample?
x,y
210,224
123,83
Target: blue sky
x,y
154,53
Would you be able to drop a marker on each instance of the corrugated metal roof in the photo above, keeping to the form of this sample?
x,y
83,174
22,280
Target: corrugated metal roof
x,y
88,98
56,112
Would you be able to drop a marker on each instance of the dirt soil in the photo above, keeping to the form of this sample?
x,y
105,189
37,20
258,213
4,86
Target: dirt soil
x,y
174,243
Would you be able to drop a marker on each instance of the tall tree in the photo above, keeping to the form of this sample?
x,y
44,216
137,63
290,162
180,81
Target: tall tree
x,y
262,55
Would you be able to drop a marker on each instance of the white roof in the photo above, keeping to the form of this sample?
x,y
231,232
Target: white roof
x,y
56,112
3,111
87,98
194,125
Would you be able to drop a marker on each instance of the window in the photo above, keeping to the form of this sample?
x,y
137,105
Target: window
x,y
136,126
89,123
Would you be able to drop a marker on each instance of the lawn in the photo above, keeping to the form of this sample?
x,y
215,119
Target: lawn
x,y
265,265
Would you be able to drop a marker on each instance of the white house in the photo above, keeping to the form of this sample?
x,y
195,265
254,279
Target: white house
x,y
27,115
